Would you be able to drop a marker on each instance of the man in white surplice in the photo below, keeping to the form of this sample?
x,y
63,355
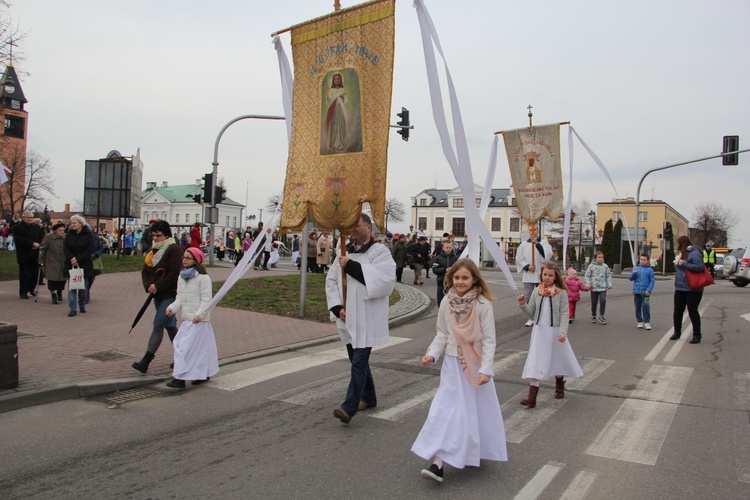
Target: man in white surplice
x,y
362,321
529,266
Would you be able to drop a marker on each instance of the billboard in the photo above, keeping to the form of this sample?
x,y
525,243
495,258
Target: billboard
x,y
108,187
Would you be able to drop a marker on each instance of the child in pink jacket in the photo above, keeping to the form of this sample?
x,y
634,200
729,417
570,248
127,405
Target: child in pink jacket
x,y
575,286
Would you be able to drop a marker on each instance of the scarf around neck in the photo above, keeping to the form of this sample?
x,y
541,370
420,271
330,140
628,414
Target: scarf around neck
x,y
465,327
152,259
188,273
547,291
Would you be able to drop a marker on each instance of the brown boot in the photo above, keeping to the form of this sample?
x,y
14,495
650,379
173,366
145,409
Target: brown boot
x,y
530,400
559,387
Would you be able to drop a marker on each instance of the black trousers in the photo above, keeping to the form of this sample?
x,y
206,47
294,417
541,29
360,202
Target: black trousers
x,y
691,300
399,273
28,273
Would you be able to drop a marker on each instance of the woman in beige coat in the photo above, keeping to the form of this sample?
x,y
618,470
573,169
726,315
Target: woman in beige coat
x,y
52,258
324,252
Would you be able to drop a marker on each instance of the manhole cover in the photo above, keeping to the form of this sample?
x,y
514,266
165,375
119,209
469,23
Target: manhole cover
x,y
106,355
121,397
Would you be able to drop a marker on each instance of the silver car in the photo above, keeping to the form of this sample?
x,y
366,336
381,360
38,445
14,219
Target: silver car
x,y
719,266
737,266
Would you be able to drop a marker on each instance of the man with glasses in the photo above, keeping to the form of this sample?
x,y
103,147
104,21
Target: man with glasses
x,y
28,238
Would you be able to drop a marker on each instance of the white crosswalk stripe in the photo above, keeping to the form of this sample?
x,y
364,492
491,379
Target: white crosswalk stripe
x,y
638,429
520,422
536,486
579,486
250,376
686,334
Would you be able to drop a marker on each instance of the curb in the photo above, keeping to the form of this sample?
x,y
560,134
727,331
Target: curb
x,y
17,401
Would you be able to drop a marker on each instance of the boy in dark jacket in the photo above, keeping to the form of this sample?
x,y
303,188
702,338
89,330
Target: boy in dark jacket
x,y
443,261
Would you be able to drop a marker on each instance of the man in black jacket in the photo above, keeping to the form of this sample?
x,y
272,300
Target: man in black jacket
x,y
443,262
27,236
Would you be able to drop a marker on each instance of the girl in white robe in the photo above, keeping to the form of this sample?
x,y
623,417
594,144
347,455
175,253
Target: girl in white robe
x,y
550,352
195,354
465,423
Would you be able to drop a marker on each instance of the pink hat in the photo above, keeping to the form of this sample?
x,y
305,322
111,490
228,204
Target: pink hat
x,y
572,272
197,255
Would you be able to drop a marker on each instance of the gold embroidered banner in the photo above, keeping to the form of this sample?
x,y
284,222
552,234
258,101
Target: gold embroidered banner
x,y
338,156
534,160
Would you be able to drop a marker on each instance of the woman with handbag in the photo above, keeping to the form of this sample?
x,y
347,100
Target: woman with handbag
x,y
78,247
689,259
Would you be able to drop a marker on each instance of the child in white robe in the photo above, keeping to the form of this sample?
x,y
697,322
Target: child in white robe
x,y
465,423
195,354
550,352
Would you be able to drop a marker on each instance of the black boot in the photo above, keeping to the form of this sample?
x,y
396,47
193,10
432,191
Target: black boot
x,y
559,387
142,365
59,295
54,298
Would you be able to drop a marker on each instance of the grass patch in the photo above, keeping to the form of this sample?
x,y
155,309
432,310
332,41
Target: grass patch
x,y
279,295
125,264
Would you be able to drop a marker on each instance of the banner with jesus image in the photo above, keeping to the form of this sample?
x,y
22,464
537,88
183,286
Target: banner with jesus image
x,y
534,160
341,104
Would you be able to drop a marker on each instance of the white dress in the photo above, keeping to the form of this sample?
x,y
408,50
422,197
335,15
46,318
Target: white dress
x,y
195,353
547,355
464,424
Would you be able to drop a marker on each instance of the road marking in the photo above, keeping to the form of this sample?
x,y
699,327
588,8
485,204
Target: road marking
x,y
255,375
579,487
540,481
638,429
520,422
741,440
745,316
675,350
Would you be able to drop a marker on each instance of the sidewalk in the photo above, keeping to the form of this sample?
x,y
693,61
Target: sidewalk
x,y
67,358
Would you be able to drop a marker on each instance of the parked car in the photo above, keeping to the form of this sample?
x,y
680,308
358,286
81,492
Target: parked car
x,y
737,266
719,266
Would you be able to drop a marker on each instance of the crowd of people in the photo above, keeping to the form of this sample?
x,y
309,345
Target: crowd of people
x,y
464,424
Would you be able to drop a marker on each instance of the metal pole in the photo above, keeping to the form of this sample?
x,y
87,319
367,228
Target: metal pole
x,y
215,164
578,257
638,191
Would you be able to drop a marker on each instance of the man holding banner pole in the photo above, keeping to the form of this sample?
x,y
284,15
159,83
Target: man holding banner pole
x,y
531,254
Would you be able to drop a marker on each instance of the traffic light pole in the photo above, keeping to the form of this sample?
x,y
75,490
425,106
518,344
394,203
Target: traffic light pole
x,y
638,192
215,164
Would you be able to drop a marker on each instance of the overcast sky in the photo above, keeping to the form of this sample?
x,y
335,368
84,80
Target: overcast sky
x,y
645,83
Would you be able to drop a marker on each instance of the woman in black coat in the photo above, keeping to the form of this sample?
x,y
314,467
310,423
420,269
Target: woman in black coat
x,y
78,247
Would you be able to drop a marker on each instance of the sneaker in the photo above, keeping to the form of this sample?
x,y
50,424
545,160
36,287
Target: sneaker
x,y
433,472
647,325
529,322
640,325
570,320
602,321
593,319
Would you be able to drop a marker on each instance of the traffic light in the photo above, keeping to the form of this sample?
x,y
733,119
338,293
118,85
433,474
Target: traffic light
x,y
731,143
208,181
220,194
668,231
404,123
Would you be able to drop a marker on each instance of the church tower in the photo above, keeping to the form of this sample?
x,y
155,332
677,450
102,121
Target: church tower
x,y
13,141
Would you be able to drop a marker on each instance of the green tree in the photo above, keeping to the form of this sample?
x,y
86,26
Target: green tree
x,y
608,243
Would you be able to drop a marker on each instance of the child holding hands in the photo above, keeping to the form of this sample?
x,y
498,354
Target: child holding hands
x,y
575,287
195,354
550,352
464,424
599,280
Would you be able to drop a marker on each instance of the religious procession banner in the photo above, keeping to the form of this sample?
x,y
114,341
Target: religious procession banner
x,y
338,155
534,160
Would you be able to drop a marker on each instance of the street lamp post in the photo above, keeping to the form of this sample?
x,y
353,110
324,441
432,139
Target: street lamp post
x,y
592,218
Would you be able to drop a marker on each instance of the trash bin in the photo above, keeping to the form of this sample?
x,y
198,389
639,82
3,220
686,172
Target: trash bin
x,y
8,356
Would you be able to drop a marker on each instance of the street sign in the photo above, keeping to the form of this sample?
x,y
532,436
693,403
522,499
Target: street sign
x,y
211,215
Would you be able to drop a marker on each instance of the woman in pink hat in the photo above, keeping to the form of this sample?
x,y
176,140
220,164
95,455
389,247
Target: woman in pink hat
x,y
195,354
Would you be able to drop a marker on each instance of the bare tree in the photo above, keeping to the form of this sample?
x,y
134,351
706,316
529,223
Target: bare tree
x,y
10,35
29,181
713,222
395,211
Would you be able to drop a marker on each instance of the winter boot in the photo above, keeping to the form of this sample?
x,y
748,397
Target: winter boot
x,y
142,365
54,298
530,400
59,295
559,387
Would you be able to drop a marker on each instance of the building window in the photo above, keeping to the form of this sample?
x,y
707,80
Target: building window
x,y
164,216
479,202
458,203
145,216
497,224
515,225
422,223
459,226
423,202
513,202
439,224
187,218
643,216
14,126
234,221
616,216
227,221
176,218
197,218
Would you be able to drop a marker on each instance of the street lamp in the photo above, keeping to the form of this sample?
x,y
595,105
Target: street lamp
x,y
592,218
579,264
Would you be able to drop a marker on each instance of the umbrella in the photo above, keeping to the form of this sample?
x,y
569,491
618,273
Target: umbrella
x,y
143,310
